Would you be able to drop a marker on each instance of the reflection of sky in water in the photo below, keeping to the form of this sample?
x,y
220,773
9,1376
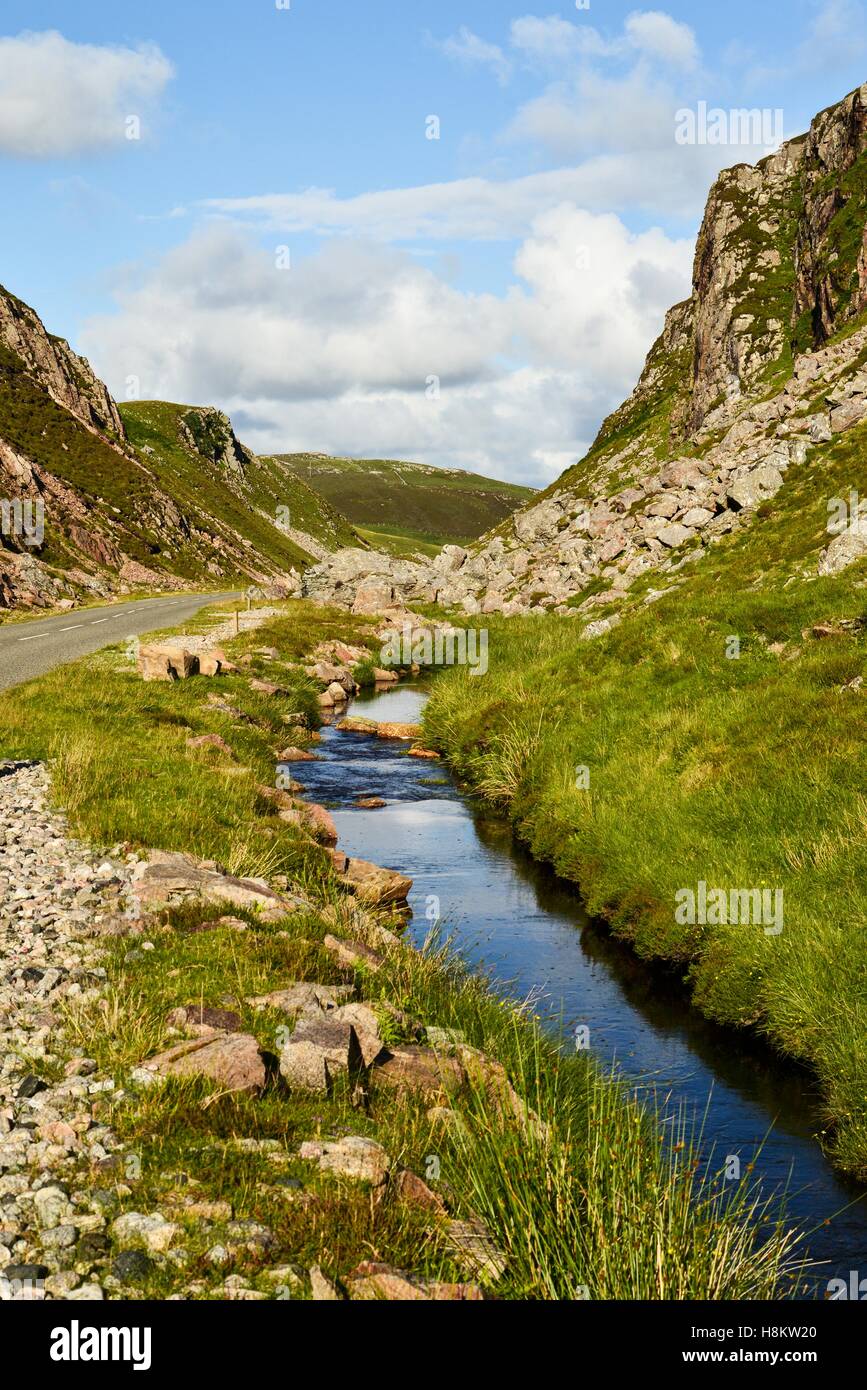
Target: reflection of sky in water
x,y
515,920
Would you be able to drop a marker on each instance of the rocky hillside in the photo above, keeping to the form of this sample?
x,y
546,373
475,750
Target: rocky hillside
x,y
756,380
388,497
98,499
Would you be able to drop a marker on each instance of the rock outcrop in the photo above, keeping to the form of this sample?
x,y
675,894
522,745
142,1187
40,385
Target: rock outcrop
x,y
99,498
750,377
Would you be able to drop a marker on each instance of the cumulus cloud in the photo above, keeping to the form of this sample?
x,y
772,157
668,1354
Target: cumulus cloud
x,y
654,33
344,352
555,42
59,98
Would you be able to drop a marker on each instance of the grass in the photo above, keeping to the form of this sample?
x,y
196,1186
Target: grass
x,y
402,543
576,1185
396,499
742,773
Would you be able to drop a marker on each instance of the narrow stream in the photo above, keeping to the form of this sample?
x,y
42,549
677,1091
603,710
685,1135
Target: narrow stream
x,y
513,918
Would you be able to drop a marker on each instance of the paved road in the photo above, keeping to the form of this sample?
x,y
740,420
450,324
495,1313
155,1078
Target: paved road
x,y
32,648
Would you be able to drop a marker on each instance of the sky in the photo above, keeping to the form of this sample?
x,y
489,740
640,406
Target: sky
x,y
446,232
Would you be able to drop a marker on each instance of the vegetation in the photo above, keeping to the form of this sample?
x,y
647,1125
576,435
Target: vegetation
x,y
577,1187
742,771
410,500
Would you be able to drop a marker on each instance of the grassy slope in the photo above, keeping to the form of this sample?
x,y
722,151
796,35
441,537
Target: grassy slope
x,y
743,773
410,499
594,1201
120,490
196,484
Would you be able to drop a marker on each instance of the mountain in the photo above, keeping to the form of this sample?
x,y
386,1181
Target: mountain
x,y
393,500
754,381
751,404
145,494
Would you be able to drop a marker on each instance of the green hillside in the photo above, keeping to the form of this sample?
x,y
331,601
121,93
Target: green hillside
x,y
203,467
410,501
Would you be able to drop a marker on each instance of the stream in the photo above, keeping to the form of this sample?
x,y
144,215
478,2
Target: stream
x,y
514,919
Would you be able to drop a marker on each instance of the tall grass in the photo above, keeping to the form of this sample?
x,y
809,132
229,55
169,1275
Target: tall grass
x,y
744,773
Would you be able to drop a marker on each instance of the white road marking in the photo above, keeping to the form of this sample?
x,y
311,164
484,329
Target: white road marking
x,y
96,622
72,629
34,637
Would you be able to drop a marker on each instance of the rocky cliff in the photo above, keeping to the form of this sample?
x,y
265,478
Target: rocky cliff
x,y
96,499
752,378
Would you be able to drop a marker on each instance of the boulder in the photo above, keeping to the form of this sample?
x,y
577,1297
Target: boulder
x,y
295,755
850,413
233,1060
352,954
697,517
755,487
355,725
318,1051
169,878
845,549
373,598
166,663
354,1157
201,1016
416,1069
373,885
321,1289
674,535
411,1188
366,1025
393,729
266,688
210,664
304,997
374,1281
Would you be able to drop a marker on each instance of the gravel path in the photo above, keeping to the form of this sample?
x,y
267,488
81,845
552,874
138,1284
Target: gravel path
x,y
54,895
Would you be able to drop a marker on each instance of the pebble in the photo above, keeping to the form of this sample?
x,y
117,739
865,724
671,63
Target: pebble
x,y
55,892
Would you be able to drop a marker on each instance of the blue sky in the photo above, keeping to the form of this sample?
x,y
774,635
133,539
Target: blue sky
x,y
477,300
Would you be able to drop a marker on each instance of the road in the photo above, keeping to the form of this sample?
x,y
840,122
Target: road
x,y
31,648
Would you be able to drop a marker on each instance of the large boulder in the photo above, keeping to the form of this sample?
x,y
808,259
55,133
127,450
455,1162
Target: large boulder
x,y
167,879
233,1060
845,549
166,663
319,1050
755,487
373,885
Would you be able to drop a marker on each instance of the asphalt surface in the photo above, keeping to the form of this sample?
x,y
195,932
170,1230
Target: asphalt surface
x,y
30,649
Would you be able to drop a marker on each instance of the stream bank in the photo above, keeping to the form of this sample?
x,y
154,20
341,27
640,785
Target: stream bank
x,y
512,918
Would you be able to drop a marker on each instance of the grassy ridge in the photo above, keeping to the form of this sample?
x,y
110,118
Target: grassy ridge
x,y
409,499
744,773
587,1203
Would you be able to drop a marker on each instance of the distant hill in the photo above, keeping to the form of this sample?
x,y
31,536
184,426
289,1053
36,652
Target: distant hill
x,y
99,497
397,503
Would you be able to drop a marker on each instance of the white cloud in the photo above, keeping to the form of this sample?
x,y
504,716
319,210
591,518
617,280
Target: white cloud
x,y
636,165
59,98
659,36
555,42
336,353
470,51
